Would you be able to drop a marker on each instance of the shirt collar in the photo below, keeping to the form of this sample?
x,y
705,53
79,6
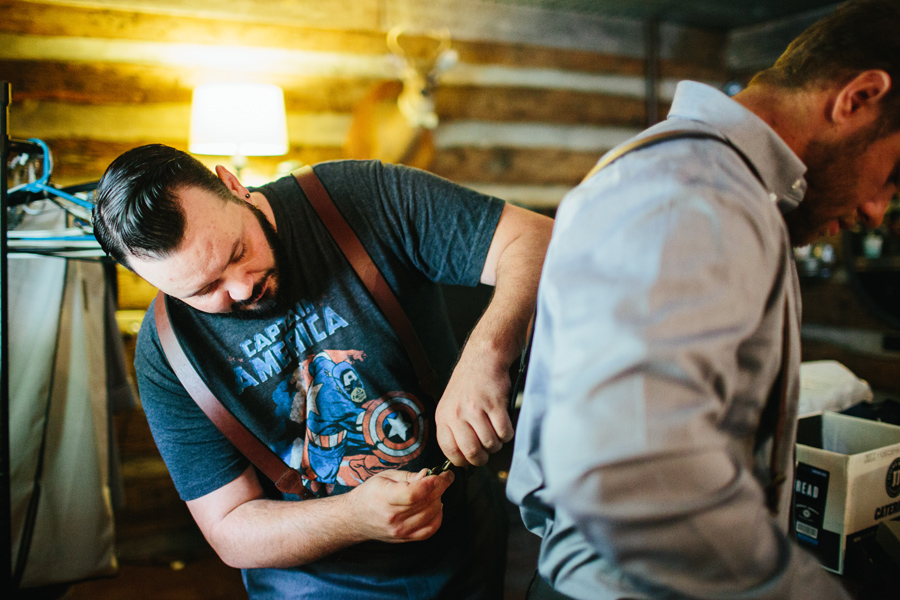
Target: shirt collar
x,y
781,170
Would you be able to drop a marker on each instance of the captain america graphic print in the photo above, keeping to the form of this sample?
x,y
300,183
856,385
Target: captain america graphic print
x,y
329,425
350,436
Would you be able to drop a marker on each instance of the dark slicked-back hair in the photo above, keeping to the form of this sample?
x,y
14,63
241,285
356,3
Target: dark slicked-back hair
x,y
137,213
858,36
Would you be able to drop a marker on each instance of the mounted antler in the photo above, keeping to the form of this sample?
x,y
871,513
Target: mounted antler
x,y
420,76
393,122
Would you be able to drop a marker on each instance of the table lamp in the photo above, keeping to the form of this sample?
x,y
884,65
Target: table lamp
x,y
238,120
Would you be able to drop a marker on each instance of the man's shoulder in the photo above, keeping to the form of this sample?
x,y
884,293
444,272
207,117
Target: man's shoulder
x,y
147,334
679,156
340,177
347,171
183,319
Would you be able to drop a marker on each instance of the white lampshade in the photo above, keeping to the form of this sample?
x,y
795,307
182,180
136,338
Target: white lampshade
x,y
238,119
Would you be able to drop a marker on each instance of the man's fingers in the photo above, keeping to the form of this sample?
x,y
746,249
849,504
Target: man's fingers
x,y
447,442
469,445
397,506
502,425
486,428
398,476
432,488
420,525
421,518
412,489
428,522
477,438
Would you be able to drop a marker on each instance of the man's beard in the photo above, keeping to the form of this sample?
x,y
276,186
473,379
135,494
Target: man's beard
x,y
274,300
832,174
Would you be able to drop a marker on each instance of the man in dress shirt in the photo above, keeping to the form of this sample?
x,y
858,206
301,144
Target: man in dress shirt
x,y
668,308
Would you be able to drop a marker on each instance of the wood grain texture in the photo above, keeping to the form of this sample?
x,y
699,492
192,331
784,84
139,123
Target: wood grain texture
x,y
537,167
108,83
532,87
701,54
514,104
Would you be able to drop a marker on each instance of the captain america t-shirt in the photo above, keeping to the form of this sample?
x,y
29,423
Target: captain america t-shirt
x,y
327,384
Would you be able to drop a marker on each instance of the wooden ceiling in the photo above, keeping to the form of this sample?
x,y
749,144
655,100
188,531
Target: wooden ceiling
x,y
720,15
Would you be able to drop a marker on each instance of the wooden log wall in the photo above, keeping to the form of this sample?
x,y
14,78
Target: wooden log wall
x,y
535,98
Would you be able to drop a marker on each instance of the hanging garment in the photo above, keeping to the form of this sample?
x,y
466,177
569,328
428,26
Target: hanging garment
x,y
58,322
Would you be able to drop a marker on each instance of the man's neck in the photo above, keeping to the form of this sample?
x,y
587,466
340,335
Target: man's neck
x,y
795,115
259,200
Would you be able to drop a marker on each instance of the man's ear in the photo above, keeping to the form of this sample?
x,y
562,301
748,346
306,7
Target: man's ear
x,y
231,182
858,100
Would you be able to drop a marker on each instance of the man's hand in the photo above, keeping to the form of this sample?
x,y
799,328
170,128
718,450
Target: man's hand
x,y
398,506
473,415
249,531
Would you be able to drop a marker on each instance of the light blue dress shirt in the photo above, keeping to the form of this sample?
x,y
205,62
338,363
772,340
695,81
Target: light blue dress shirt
x,y
658,339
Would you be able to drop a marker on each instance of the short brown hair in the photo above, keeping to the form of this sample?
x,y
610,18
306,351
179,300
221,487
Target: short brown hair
x,y
858,36
137,213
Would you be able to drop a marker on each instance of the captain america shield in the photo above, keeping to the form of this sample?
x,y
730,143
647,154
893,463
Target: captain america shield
x,y
395,428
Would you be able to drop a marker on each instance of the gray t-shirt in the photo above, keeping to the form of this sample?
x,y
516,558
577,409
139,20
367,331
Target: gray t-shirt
x,y
327,385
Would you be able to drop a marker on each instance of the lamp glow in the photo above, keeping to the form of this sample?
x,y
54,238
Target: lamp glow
x,y
238,120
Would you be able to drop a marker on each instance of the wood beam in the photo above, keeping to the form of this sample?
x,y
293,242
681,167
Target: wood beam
x,y
87,84
114,83
465,19
99,84
532,176
140,22
197,63
532,166
511,104
56,120
223,23
354,15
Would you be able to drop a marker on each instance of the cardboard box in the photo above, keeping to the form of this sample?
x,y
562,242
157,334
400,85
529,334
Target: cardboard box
x,y
847,481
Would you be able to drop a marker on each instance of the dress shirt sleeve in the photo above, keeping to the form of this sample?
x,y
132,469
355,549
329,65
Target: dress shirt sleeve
x,y
649,290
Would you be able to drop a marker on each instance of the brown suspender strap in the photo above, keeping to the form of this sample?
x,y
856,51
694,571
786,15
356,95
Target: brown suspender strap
x,y
780,386
665,136
371,277
286,479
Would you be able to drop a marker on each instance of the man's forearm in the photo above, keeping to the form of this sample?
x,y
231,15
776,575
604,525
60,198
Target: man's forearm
x,y
250,531
472,416
277,534
501,332
498,338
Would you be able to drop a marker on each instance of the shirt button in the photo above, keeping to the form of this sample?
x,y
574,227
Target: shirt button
x,y
773,197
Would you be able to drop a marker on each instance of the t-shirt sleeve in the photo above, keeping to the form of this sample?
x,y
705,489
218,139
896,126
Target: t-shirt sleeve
x,y
442,229
180,429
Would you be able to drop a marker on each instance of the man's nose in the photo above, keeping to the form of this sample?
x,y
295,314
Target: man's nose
x,y
240,286
872,212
